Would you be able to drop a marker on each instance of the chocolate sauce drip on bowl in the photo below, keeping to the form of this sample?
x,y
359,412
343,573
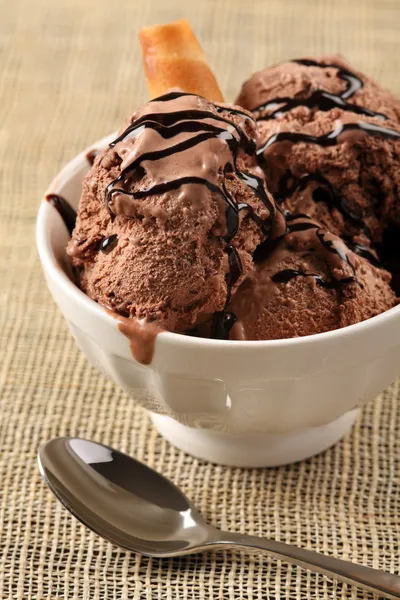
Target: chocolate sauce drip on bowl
x,y
141,334
65,210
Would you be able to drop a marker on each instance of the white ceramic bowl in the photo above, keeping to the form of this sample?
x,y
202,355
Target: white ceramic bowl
x,y
237,403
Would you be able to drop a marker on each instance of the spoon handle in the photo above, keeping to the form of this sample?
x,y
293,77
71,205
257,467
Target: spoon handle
x,y
368,579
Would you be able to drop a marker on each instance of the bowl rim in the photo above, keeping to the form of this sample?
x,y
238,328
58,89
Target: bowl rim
x,y
56,273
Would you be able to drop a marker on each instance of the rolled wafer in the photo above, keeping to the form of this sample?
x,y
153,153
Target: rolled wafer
x,y
173,58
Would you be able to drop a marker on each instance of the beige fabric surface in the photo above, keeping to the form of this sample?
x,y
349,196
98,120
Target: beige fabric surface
x,y
69,73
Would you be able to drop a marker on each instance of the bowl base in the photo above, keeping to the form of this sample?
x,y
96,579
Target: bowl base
x,y
253,450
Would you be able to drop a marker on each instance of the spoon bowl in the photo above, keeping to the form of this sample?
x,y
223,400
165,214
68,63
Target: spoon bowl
x,y
133,506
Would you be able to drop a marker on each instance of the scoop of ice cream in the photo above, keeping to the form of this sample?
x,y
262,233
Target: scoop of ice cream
x,y
309,282
341,168
329,144
171,213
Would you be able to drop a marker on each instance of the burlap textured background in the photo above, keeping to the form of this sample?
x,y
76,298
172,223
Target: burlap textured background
x,y
69,73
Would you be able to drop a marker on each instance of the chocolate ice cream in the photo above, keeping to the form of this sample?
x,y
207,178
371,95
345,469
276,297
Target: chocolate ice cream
x,y
329,144
170,217
177,229
308,282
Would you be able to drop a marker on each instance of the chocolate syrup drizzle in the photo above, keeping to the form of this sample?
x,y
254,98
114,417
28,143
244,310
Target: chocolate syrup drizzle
x,y
65,210
330,244
171,124
331,138
319,99
287,275
109,243
354,83
363,251
325,192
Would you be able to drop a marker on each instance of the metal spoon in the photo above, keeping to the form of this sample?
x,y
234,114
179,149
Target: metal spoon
x,y
134,507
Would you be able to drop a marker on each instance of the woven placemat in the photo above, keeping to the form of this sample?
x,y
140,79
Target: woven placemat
x,y
70,72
